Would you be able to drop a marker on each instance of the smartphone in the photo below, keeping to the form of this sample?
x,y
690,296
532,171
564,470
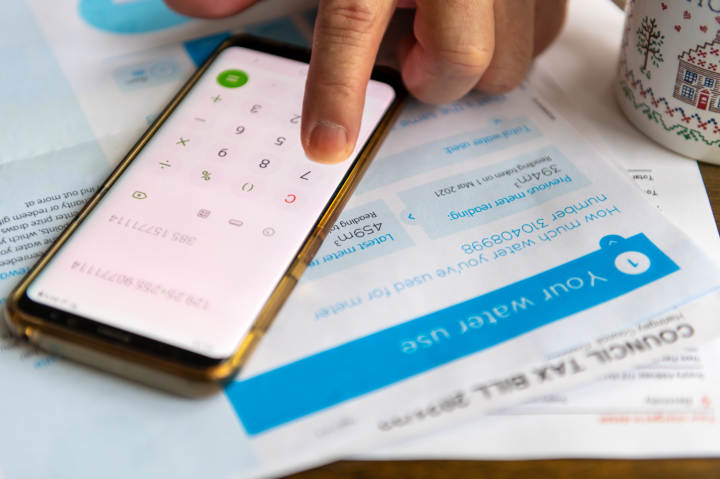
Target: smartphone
x,y
174,270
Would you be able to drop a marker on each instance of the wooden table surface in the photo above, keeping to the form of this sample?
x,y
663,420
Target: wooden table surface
x,y
556,469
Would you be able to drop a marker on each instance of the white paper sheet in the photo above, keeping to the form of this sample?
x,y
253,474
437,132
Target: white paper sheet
x,y
95,424
659,411
677,429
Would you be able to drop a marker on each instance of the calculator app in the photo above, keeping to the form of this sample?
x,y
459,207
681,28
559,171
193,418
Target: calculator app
x,y
192,239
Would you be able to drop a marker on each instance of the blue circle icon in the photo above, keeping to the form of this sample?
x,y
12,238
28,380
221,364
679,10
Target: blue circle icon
x,y
138,16
632,262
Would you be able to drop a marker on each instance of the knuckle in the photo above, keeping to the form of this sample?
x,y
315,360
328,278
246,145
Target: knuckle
x,y
340,89
463,60
347,19
501,80
508,69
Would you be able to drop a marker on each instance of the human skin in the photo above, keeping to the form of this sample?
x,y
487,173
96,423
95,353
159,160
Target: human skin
x,y
456,45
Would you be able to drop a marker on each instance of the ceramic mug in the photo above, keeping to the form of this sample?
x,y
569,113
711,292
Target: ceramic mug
x,y
669,74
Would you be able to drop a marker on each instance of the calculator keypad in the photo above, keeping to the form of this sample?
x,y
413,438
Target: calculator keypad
x,y
244,143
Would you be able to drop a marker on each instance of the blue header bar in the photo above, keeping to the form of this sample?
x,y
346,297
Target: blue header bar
x,y
394,354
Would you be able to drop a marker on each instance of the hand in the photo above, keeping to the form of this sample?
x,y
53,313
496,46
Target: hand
x,y
456,45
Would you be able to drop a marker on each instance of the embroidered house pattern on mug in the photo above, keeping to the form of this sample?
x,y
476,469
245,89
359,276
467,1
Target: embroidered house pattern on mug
x,y
698,79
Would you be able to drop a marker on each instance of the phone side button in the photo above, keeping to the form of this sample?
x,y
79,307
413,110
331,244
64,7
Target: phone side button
x,y
307,257
312,249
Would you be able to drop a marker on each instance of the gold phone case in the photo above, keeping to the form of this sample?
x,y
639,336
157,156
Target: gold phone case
x,y
116,357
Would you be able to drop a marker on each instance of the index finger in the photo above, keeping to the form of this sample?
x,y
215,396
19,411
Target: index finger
x,y
345,43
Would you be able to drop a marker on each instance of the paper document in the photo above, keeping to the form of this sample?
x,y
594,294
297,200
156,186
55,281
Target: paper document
x,y
490,256
346,334
662,413
396,389
662,410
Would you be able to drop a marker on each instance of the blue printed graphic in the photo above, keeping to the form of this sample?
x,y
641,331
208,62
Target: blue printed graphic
x,y
281,29
148,73
487,194
201,48
501,134
139,16
394,354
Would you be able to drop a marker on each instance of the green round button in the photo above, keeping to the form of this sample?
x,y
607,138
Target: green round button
x,y
232,78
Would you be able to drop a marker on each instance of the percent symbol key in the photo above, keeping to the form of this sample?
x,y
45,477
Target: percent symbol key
x,y
203,174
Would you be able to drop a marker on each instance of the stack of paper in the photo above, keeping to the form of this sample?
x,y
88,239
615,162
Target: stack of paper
x,y
665,409
510,259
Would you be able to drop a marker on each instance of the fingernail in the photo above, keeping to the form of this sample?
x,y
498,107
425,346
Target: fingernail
x,y
328,142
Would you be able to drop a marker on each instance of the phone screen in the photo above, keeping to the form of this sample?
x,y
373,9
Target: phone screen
x,y
192,239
